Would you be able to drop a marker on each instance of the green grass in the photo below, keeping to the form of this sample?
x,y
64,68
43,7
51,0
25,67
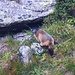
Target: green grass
x,y
45,64
59,24
59,64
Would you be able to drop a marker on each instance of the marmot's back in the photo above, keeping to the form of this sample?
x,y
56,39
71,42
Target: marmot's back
x,y
44,39
44,36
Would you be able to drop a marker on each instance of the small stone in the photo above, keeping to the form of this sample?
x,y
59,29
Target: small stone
x,y
25,54
36,48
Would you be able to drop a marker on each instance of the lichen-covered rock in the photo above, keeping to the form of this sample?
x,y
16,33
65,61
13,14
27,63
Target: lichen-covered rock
x,y
25,54
12,11
36,48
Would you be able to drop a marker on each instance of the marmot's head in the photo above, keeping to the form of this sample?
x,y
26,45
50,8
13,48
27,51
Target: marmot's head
x,y
34,30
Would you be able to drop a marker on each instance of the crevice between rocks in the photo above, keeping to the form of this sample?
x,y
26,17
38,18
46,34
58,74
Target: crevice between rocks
x,y
17,27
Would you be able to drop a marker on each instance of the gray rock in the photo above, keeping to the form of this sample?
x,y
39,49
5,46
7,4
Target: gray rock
x,y
4,38
22,37
12,11
36,48
25,54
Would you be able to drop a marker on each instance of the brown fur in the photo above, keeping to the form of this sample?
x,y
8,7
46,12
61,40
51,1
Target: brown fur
x,y
44,39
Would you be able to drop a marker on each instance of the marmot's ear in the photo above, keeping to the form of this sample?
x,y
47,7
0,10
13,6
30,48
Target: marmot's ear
x,y
34,30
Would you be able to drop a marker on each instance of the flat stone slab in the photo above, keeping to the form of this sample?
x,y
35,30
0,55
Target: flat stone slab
x,y
25,10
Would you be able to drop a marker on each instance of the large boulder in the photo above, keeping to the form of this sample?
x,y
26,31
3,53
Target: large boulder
x,y
12,11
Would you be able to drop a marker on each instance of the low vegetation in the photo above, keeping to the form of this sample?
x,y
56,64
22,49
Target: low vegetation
x,y
61,25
